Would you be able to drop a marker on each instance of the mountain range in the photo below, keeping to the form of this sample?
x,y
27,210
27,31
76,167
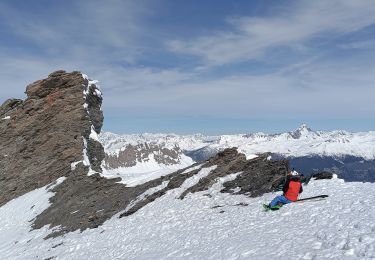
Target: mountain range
x,y
138,156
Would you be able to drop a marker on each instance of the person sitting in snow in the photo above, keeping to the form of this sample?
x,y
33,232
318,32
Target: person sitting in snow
x,y
292,188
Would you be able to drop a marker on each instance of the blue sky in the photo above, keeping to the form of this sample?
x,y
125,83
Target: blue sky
x,y
211,66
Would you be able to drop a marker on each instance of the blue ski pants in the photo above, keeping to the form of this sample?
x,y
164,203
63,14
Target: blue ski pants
x,y
279,200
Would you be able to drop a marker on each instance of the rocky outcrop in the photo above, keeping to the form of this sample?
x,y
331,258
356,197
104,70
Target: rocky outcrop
x,y
254,177
257,176
43,135
131,154
322,175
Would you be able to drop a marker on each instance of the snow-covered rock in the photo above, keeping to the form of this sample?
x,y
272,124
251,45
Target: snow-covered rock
x,y
208,225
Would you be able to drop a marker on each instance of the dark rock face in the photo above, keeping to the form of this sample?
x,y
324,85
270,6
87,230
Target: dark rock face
x,y
257,176
45,133
9,105
131,154
322,175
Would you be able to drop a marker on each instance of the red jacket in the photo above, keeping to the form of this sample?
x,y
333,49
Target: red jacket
x,y
292,188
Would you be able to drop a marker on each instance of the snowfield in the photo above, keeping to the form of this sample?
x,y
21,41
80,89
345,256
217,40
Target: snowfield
x,y
207,225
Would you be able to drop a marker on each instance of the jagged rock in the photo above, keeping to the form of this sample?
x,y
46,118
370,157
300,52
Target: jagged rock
x,y
322,175
8,105
46,132
257,176
131,154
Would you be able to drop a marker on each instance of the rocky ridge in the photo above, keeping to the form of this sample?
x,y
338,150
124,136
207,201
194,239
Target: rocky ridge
x,y
131,154
42,136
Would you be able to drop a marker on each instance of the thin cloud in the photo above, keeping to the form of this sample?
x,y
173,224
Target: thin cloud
x,y
89,28
252,37
364,44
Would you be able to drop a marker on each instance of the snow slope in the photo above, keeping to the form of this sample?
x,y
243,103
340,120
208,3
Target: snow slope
x,y
301,142
15,219
145,171
209,225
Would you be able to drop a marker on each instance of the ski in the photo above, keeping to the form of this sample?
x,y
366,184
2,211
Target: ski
x,y
312,198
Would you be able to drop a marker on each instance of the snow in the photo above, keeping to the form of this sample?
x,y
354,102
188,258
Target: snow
x,y
16,217
73,165
250,156
92,82
190,169
339,227
98,93
86,160
87,88
84,76
6,118
196,177
94,134
145,171
147,193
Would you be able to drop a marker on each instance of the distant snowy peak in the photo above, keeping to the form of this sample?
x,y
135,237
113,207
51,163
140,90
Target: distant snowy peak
x,y
303,132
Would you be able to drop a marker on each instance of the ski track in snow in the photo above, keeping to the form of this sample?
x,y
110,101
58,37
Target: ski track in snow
x,y
340,227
